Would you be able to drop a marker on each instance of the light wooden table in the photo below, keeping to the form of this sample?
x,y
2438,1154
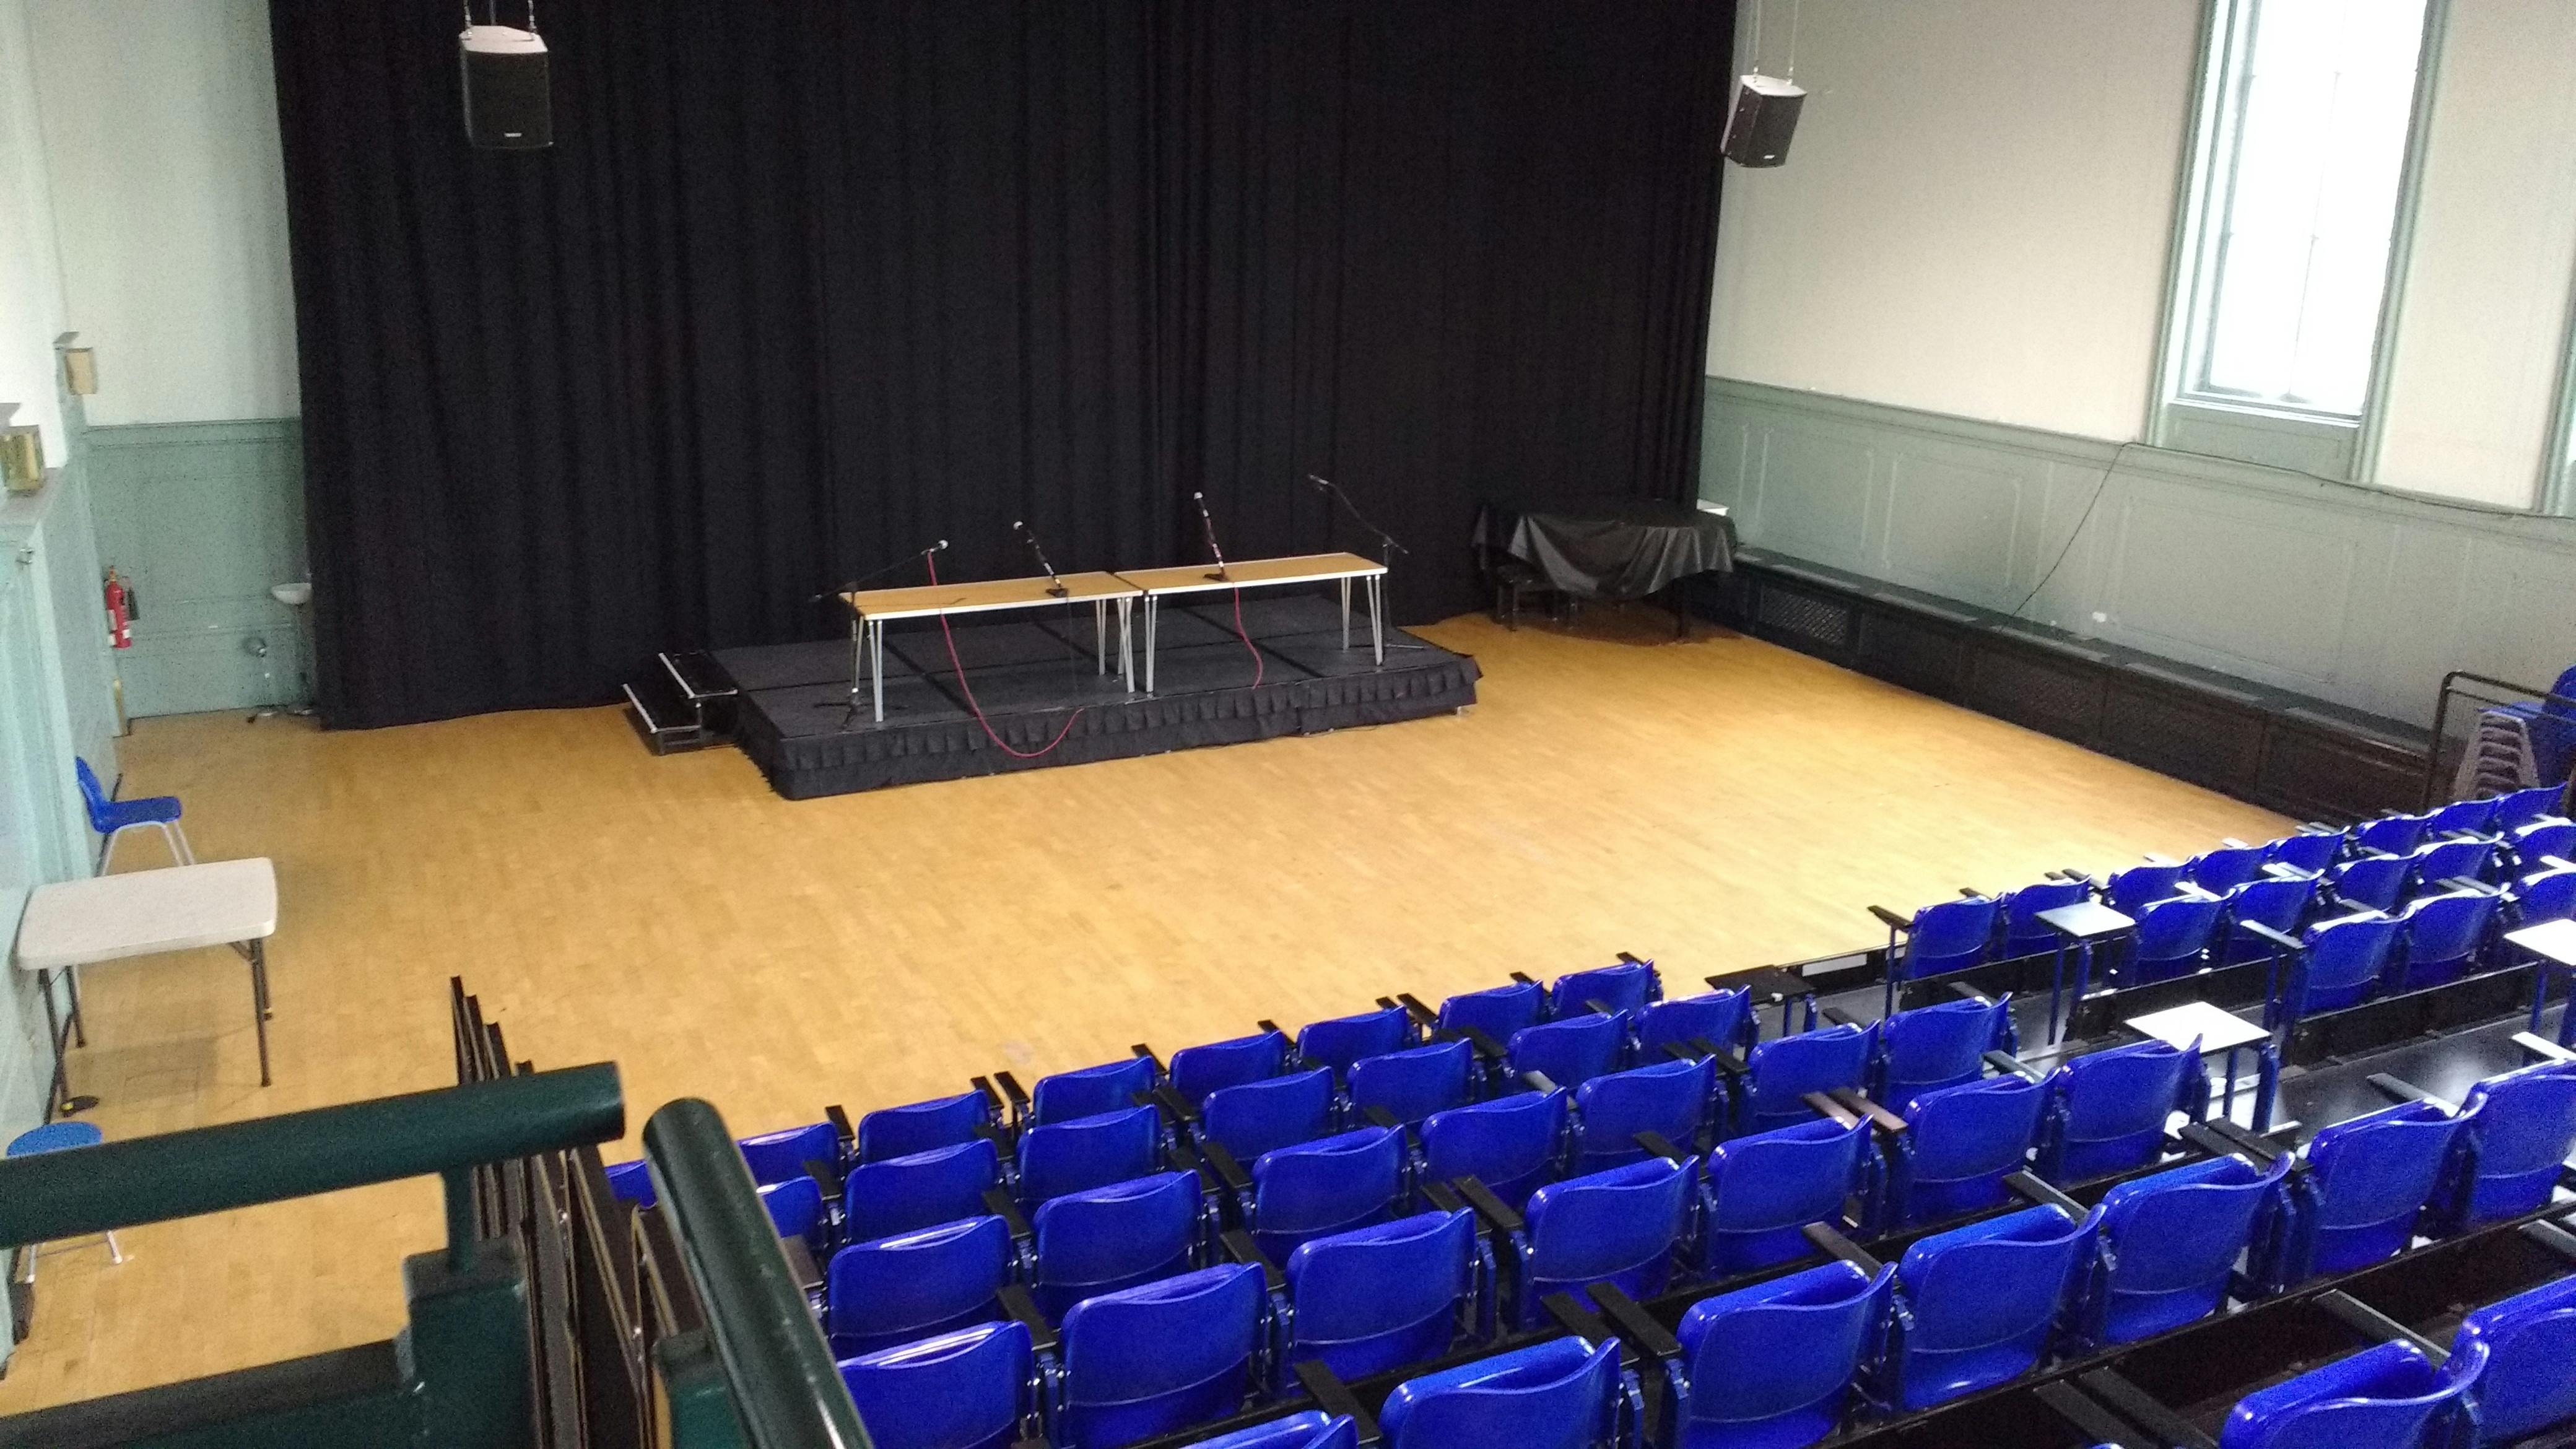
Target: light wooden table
x,y
71,924
872,609
1313,568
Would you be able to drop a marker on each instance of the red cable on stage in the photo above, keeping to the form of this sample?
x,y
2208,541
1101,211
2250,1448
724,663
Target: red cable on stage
x,y
1246,638
968,690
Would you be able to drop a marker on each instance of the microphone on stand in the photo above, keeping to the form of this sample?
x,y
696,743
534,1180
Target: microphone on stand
x,y
852,585
1055,585
1208,526
1333,490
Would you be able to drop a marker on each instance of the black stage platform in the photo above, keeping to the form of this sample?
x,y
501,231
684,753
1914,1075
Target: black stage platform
x,y
1031,671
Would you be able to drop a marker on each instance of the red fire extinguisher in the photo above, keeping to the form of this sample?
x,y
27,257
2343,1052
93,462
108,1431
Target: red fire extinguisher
x,y
120,612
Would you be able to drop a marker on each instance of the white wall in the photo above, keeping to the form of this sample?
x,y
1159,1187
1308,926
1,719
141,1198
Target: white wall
x,y
31,294
1976,211
160,129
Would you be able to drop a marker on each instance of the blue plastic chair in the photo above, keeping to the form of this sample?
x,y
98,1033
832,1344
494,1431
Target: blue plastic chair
x,y
2372,882
2359,1203
796,1210
2546,894
2390,834
627,1181
1511,1144
1772,1366
1975,1305
2133,890
2475,817
1198,1072
776,1157
1958,1146
70,1136
2224,869
901,1194
2024,933
2445,936
1264,1116
1932,1047
2388,1397
962,1390
2446,860
2275,903
1091,1091
919,1127
2524,807
1942,938
1670,1098
1346,1039
1498,1012
1331,1185
2106,1111
1381,1297
1781,1071
2167,1244
1146,1361
2530,1339
887,1291
2173,938
1414,1083
2311,851
2541,839
1624,988
1107,1238
1760,1190
1723,1019
2339,964
1572,1051
1062,1157
1562,1394
1620,1226
111,818
1313,1429
2518,1129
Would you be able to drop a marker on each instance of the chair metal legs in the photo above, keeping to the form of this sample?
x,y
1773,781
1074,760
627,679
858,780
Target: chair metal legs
x,y
173,834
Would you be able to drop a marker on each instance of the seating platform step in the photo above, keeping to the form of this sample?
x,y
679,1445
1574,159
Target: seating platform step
x,y
686,704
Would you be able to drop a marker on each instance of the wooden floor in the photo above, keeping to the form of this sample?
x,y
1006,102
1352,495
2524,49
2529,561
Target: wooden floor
x,y
1716,805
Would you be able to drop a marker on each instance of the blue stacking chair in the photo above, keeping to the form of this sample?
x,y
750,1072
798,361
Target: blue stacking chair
x,y
2530,1340
2133,890
2455,859
1940,939
1346,1039
2371,882
1107,1238
2518,1130
887,1291
1670,1099
1330,1185
1572,1051
2024,933
2173,938
900,1194
631,1182
2166,1246
1562,1394
1723,1019
1061,1157
2388,1397
2364,1193
1145,1361
2223,870
2546,894
2279,904
796,1210
2339,963
2444,936
2390,834
1199,1072
1621,1226
1414,1083
1624,988
1313,1429
1382,1297
1264,1116
2518,808
1760,1190
1091,1091
2106,1111
2541,839
1498,1012
919,1127
1975,1306
776,1157
1958,1146
2309,851
1511,1144
964,1390
1932,1047
1779,1073
2476,817
1772,1366
110,818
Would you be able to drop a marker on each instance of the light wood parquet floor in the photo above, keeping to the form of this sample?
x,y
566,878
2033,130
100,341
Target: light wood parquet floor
x,y
1717,805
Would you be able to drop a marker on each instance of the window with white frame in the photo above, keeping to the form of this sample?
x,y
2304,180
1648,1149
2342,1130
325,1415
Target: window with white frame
x,y
2298,195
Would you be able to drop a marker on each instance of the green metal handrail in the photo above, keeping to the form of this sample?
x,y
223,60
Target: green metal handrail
x,y
784,1384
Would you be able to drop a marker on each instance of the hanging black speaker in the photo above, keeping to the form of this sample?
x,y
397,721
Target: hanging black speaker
x,y
508,100
1766,111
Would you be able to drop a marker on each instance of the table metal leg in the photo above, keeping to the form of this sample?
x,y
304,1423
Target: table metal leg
x,y
1346,613
1153,624
2056,988
259,1002
876,664
71,984
1127,642
2227,1098
1377,620
2083,982
1100,636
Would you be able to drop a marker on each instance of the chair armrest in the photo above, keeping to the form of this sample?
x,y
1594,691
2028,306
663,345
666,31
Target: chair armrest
x,y
2262,932
1835,1245
1024,1310
999,1204
1240,1247
2541,1048
841,1128
1013,1093
2397,1089
2145,1410
1439,1195
1893,921
1965,992
1537,1082
1484,1044
2282,870
1139,1049
1380,1117
1829,1109
1497,1214
1863,1109
1161,1095
2245,1140
1523,978
2374,1325
1658,1145
2552,1239
1600,1007
2039,1194
1839,1017
1266,1024
1422,1015
1627,959
1335,1397
1726,1061
1217,1163
2473,887
2158,858
2013,1066
1634,1324
800,1261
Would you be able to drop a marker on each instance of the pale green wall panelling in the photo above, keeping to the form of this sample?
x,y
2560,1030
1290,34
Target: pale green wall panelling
x,y
204,517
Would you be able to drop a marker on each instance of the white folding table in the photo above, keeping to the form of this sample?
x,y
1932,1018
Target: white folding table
x,y
2197,1023
872,609
72,924
1267,573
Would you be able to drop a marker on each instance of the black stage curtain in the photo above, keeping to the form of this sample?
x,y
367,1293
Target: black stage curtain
x,y
802,287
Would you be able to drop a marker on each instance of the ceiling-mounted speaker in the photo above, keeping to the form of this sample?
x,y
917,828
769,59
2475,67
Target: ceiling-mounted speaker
x,y
1766,111
508,100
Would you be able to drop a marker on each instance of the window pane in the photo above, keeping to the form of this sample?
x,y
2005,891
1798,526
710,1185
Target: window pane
x,y
2318,141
